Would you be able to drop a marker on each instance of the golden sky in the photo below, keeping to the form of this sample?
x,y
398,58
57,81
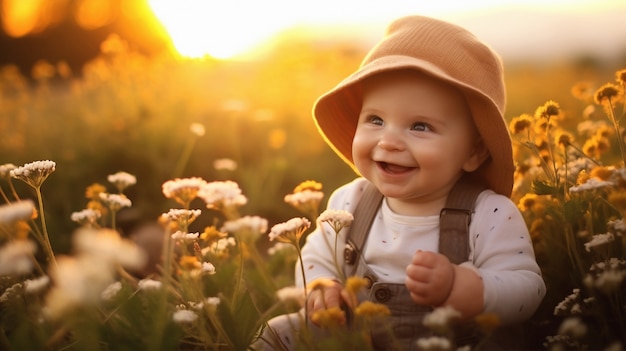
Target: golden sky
x,y
227,28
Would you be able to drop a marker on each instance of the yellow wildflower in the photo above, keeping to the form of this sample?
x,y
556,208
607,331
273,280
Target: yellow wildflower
x,y
582,178
329,318
604,131
582,90
189,262
99,206
354,284
606,93
596,146
621,76
93,191
602,173
549,109
563,138
211,234
308,185
542,125
369,309
527,202
321,284
520,123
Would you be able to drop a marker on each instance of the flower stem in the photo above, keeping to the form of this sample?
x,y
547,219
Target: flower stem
x,y
620,137
184,158
46,238
306,294
339,270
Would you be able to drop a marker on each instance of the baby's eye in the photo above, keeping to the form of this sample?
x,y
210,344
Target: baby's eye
x,y
375,120
421,127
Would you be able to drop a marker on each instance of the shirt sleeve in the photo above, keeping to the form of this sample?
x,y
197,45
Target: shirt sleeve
x,y
503,255
319,257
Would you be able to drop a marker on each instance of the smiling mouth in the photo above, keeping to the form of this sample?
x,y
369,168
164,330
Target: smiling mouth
x,y
393,168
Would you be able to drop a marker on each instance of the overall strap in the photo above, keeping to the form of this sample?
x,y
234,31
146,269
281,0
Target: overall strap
x,y
455,218
364,215
454,221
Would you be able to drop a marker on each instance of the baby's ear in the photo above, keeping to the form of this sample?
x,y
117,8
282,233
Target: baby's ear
x,y
477,157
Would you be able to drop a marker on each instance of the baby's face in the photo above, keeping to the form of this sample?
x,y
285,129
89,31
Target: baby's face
x,y
414,138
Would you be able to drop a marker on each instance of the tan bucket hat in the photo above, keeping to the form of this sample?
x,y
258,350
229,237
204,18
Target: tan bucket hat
x,y
447,52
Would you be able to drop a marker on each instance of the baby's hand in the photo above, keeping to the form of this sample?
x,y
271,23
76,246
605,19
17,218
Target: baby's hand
x,y
429,278
327,295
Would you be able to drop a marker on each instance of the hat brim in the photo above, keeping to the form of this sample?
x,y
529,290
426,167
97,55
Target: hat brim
x,y
336,114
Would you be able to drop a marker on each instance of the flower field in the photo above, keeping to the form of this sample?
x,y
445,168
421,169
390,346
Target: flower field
x,y
154,204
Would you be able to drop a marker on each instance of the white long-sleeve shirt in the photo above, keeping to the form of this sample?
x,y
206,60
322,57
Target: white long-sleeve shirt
x,y
501,251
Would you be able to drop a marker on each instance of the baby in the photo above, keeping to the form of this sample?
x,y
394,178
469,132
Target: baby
x,y
423,113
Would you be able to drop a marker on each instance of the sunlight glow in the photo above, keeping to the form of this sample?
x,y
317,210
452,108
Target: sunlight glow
x,y
219,29
224,29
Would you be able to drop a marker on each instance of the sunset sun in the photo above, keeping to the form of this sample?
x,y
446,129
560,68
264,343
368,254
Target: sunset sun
x,y
222,29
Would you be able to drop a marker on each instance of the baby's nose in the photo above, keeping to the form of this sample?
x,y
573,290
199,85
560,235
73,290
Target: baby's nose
x,y
390,141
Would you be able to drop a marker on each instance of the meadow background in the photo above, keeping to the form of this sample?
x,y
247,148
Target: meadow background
x,y
125,111
128,110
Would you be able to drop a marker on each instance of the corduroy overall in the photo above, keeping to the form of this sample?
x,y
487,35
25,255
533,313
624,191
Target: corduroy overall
x,y
406,317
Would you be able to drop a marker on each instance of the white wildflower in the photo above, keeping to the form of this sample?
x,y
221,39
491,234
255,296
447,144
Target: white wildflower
x,y
607,281
598,240
290,231
107,246
181,215
77,281
617,226
183,190
13,290
247,228
564,307
280,247
440,318
208,267
212,302
5,170
197,129
149,284
115,202
180,235
34,173
225,164
111,291
434,343
87,216
17,211
304,196
195,305
122,180
184,316
576,309
35,286
16,257
337,219
591,184
573,327
222,194
220,246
